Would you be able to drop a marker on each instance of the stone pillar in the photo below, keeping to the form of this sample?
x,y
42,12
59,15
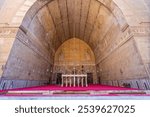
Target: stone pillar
x,y
86,84
74,81
66,81
70,81
82,81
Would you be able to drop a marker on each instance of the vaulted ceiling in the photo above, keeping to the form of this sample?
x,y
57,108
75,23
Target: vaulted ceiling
x,y
71,18
59,20
46,24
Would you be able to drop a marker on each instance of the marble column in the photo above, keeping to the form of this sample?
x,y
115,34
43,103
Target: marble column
x,y
86,84
70,78
82,83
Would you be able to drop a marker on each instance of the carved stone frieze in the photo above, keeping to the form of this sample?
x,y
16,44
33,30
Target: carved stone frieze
x,y
8,32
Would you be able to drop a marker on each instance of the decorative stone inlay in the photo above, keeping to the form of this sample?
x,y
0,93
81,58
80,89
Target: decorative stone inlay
x,y
6,32
17,19
140,30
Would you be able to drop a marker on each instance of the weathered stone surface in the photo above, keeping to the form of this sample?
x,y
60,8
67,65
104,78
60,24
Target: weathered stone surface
x,y
31,31
10,84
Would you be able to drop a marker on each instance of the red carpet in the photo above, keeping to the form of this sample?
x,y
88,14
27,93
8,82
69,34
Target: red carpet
x,y
99,90
90,87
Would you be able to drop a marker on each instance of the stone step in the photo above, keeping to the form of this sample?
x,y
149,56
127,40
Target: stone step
x,y
89,92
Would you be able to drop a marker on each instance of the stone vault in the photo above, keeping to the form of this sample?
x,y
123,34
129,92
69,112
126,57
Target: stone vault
x,y
117,31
